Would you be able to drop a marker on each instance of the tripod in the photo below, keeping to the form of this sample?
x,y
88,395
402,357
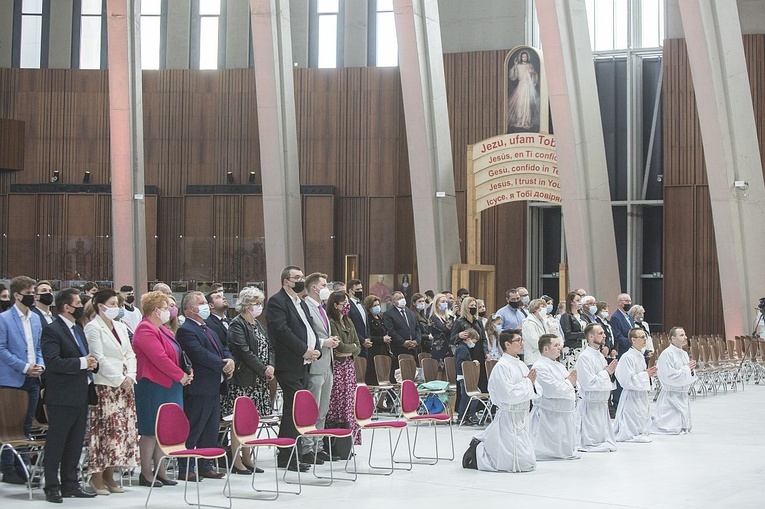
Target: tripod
x,y
747,352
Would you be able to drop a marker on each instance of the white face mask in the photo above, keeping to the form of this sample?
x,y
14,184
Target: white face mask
x,y
164,315
256,310
542,312
324,293
604,314
111,313
204,311
401,303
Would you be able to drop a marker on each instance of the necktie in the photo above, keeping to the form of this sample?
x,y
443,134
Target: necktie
x,y
212,340
81,345
403,313
324,317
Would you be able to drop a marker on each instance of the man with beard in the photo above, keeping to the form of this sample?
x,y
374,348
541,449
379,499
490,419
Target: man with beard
x,y
676,374
633,417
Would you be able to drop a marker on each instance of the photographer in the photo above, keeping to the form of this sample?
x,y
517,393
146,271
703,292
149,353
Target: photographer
x,y
759,328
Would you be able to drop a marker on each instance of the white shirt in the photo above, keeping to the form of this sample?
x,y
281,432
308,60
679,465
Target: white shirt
x,y
310,334
26,324
70,326
47,315
361,309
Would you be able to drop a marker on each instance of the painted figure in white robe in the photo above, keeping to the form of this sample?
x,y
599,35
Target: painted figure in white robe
x,y
596,433
633,416
523,103
553,418
506,444
672,415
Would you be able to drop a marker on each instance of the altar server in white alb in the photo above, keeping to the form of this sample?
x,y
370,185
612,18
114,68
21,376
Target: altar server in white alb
x,y
672,415
553,418
595,431
506,444
633,416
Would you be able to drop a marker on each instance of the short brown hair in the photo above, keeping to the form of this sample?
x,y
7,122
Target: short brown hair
x,y
632,334
43,282
590,327
312,279
151,301
369,302
21,283
286,271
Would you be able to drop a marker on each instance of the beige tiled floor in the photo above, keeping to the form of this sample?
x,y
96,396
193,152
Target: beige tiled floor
x,y
720,464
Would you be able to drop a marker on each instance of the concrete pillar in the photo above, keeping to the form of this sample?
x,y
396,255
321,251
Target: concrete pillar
x,y
587,216
731,150
277,132
355,33
178,34
6,33
60,49
237,34
126,144
427,132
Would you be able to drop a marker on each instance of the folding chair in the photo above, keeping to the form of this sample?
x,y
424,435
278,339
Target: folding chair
x,y
172,431
244,428
384,384
13,412
363,410
410,402
471,372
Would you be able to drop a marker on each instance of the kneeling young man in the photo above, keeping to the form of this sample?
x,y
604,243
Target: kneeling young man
x,y
675,369
633,416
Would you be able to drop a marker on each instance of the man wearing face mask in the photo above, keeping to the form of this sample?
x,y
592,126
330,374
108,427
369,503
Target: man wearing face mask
x,y
525,299
512,314
218,321
358,314
622,322
132,315
320,372
296,346
21,361
589,308
213,366
43,302
403,328
633,417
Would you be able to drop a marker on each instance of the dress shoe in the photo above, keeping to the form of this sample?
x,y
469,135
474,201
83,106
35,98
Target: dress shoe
x,y
76,493
309,458
13,477
192,477
241,471
322,455
142,481
211,474
259,470
293,467
53,495
167,481
98,491
116,488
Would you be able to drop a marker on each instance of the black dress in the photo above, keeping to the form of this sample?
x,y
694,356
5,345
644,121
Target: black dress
x,y
477,353
377,331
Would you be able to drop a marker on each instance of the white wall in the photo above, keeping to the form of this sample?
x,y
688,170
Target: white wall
x,y
751,13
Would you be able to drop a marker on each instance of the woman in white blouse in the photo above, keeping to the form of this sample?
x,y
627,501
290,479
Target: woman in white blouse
x,y
113,431
533,327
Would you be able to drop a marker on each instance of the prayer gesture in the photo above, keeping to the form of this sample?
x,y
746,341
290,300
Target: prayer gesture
x,y
692,365
572,377
533,375
651,371
612,367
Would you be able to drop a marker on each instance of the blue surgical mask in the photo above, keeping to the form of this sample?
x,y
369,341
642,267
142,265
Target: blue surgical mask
x,y
375,310
497,329
592,309
549,308
121,314
443,306
204,311
470,344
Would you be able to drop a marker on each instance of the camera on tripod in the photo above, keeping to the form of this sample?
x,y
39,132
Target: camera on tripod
x,y
761,306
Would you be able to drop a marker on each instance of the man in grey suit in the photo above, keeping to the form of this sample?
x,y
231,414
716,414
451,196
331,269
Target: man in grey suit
x,y
320,371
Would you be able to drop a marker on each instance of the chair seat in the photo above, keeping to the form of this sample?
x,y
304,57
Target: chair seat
x,y
430,417
330,432
480,395
386,424
276,442
206,453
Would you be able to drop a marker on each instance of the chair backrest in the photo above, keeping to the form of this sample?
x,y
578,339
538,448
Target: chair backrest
x,y
408,368
171,428
450,366
423,355
471,372
429,369
490,366
403,356
305,411
360,365
364,405
246,419
382,369
13,412
410,399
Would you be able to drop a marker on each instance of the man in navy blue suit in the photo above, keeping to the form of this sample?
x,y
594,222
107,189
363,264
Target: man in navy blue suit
x,y
621,323
21,361
358,314
213,364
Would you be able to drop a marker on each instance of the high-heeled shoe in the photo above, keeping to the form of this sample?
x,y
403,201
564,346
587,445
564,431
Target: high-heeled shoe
x,y
114,489
167,481
142,481
241,471
96,490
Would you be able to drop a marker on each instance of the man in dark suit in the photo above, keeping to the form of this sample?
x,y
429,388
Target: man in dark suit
x,y
296,346
358,314
403,330
621,323
217,321
69,372
213,364
43,302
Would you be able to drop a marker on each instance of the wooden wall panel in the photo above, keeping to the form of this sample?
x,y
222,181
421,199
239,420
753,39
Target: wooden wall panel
x,y
198,243
382,235
11,144
679,257
319,234
22,235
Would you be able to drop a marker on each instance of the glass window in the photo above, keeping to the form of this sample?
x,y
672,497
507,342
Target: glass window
x,y
90,42
151,33
386,43
31,33
327,12
327,6
91,7
652,23
208,42
609,22
151,7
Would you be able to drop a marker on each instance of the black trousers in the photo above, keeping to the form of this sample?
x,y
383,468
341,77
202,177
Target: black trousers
x,y
203,413
63,444
290,382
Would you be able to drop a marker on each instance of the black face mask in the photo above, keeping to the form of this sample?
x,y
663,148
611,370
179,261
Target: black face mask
x,y
358,294
299,287
627,307
473,311
482,314
46,299
28,300
77,313
5,305
130,299
515,305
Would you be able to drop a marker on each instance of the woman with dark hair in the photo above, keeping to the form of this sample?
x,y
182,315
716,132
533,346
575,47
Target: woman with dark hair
x,y
571,322
113,432
378,334
344,373
418,306
5,298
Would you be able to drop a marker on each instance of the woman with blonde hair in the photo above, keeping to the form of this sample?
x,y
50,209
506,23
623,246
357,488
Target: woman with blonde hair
x,y
469,319
534,326
440,323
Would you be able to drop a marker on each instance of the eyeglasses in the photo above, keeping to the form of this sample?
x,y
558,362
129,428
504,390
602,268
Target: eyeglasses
x,y
297,279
